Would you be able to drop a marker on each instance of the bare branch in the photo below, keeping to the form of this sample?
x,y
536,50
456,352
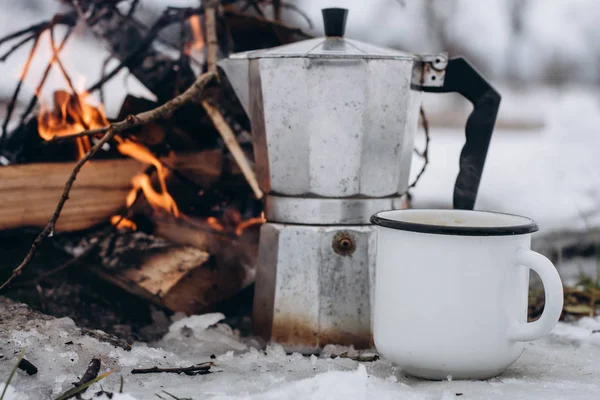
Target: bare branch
x,y
170,16
16,47
109,132
65,19
211,36
13,101
425,153
299,11
233,146
40,86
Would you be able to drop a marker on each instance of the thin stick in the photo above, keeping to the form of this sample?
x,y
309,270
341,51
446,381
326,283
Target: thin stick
x,y
67,78
56,58
69,19
425,153
13,101
40,86
109,131
193,370
90,373
102,75
299,11
233,146
147,116
36,29
132,8
16,47
277,10
165,20
211,36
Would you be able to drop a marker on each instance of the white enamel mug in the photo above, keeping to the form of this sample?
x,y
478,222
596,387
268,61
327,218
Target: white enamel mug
x,y
451,291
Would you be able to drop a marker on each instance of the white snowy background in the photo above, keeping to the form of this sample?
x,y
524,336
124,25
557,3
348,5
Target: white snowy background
x,y
542,163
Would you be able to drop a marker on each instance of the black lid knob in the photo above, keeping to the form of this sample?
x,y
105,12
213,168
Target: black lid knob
x,y
334,20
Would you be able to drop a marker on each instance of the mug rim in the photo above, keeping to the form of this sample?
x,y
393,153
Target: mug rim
x,y
507,230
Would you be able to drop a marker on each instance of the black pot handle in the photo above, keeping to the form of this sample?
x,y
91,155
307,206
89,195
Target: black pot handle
x,y
462,78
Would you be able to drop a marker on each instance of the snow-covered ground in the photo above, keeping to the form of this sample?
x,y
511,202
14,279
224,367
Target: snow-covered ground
x,y
561,366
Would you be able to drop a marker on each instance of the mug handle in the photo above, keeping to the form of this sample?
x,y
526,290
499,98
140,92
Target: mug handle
x,y
553,291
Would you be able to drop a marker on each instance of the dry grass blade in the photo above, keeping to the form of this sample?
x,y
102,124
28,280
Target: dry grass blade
x,y
12,373
75,391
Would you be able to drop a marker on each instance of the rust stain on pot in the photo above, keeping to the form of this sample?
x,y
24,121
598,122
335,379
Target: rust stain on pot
x,y
344,244
298,332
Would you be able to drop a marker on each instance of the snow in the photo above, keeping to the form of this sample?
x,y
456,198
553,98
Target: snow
x,y
12,393
561,366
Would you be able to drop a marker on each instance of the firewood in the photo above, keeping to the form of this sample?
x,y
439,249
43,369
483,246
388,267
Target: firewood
x,y
29,192
171,275
233,258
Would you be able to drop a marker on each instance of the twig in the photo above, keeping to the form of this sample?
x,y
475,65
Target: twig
x,y
211,36
147,116
109,131
170,16
132,8
90,373
49,229
28,367
13,101
233,146
299,11
101,236
277,10
69,19
200,369
38,89
102,76
425,153
60,64
173,396
254,5
16,47
35,29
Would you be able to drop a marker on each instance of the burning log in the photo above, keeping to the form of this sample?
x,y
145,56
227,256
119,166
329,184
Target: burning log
x,y
29,193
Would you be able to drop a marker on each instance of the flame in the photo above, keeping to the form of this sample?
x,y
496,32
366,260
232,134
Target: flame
x,y
198,42
215,224
70,115
123,223
142,181
239,229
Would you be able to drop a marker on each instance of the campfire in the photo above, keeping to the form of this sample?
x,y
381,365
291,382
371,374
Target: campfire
x,y
161,201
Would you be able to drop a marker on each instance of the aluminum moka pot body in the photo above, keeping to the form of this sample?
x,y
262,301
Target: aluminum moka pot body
x,y
327,125
331,127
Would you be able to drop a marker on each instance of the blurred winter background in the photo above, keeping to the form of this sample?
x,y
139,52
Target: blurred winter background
x,y
542,55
